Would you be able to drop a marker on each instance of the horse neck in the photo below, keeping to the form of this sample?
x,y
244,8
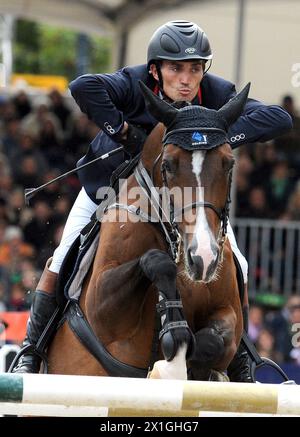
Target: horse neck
x,y
152,148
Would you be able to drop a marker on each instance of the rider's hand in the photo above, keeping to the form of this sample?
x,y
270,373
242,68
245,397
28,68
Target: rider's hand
x,y
132,138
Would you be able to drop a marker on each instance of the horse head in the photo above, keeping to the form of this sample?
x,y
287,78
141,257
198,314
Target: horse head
x,y
197,159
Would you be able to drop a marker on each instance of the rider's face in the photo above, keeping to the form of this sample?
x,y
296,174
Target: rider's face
x,y
181,79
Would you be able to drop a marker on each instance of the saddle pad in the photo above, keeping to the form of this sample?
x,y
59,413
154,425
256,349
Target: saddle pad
x,y
83,263
75,267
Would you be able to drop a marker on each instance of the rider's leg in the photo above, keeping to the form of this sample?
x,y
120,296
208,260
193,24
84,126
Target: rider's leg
x,y
239,369
44,301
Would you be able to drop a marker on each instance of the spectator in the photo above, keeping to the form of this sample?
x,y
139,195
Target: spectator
x,y
281,325
51,145
256,322
27,147
294,309
20,214
266,346
22,104
62,207
242,194
33,122
28,174
78,138
293,209
59,108
29,275
13,250
258,204
264,159
11,138
38,230
290,141
279,188
18,299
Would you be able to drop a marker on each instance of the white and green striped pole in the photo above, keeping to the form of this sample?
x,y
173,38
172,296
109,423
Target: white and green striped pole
x,y
142,395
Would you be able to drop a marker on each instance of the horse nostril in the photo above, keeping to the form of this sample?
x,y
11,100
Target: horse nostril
x,y
211,268
189,257
196,265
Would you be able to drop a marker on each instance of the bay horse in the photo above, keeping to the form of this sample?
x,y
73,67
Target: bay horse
x,y
178,272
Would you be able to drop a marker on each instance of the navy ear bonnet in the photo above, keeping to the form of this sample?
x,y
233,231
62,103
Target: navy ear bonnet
x,y
196,128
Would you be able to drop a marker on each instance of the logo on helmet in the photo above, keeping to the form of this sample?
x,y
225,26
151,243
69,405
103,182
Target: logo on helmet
x,y
190,50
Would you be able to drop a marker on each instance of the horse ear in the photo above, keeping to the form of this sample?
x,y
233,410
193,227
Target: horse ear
x,y
234,108
160,110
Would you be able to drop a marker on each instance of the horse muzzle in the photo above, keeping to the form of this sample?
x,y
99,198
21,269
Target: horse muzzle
x,y
202,268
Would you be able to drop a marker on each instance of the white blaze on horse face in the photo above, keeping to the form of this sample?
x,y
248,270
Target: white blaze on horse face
x,y
203,239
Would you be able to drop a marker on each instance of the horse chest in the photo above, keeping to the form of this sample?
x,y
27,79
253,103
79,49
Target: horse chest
x,y
198,302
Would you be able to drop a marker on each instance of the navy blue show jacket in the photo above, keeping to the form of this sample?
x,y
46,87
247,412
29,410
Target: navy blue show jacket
x,y
111,99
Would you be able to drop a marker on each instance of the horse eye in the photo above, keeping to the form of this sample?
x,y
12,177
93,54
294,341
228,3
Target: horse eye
x,y
166,165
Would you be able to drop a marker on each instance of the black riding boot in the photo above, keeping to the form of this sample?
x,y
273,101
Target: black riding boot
x,y
42,308
239,369
41,311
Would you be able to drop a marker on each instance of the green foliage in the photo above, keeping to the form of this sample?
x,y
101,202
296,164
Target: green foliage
x,y
27,34
43,49
101,50
26,47
58,51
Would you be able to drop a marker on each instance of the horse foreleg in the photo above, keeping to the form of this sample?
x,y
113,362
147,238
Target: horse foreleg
x,y
216,345
176,337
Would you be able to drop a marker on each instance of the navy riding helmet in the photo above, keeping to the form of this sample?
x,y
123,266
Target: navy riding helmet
x,y
179,41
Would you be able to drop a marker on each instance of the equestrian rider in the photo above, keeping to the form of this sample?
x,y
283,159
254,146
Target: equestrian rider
x,y
179,55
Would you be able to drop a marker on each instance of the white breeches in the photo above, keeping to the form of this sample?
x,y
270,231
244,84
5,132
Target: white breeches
x,y
80,215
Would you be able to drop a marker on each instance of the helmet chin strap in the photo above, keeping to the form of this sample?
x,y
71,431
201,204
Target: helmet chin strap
x,y
206,69
160,78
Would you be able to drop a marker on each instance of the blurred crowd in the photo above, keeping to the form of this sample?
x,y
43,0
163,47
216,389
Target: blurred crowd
x,y
40,138
268,175
276,333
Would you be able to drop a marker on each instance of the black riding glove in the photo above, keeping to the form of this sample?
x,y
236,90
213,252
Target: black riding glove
x,y
134,141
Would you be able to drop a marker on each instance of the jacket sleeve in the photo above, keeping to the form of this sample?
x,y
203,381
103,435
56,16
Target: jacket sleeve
x,y
102,97
258,122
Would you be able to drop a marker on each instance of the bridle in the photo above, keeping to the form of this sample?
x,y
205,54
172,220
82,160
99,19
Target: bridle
x,y
222,213
167,221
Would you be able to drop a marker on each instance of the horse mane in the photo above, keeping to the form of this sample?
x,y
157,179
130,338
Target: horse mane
x,y
152,146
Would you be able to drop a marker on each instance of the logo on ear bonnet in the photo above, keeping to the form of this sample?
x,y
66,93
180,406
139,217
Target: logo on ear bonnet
x,y
198,138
